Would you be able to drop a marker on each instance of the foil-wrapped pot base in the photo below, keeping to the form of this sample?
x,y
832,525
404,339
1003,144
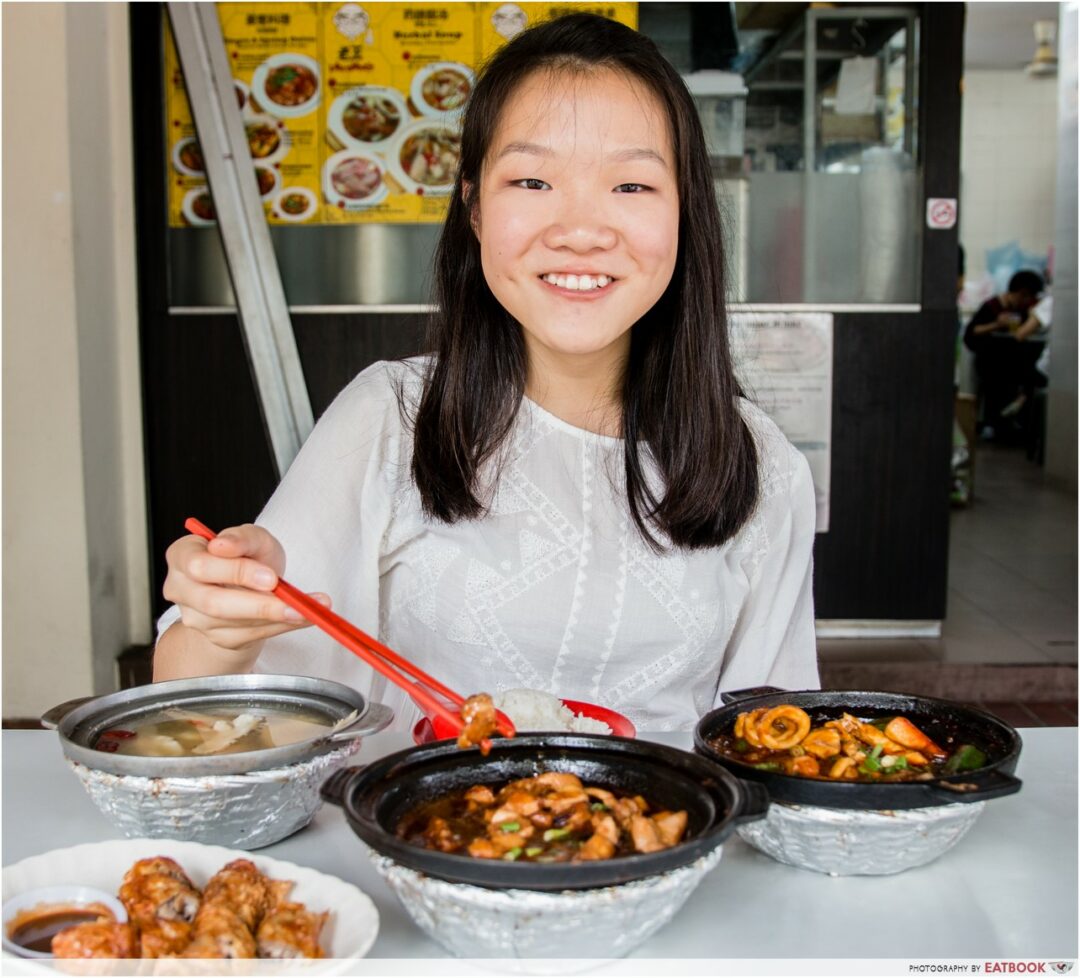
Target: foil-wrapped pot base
x,y
241,811
848,842
474,922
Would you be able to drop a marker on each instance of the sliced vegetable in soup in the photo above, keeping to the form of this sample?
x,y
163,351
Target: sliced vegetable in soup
x,y
176,732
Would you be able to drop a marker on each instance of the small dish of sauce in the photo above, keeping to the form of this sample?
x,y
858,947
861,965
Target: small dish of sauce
x,y
32,919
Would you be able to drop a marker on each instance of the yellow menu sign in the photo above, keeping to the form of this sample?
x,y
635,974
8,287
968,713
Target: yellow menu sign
x,y
400,78
276,52
497,22
352,110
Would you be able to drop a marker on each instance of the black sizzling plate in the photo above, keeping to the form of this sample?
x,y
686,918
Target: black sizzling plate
x,y
946,723
377,796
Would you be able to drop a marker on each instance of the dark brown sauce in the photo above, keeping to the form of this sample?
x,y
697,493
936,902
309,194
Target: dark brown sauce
x,y
37,933
460,822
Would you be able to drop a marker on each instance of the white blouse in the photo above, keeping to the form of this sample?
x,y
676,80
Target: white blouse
x,y
554,589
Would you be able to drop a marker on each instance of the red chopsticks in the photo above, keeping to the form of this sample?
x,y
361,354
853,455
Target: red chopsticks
x,y
373,652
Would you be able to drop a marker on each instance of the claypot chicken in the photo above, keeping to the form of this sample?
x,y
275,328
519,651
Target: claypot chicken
x,y
552,817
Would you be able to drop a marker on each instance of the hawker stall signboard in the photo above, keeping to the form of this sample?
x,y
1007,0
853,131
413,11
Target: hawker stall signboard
x,y
189,197
398,76
352,110
498,22
274,52
784,363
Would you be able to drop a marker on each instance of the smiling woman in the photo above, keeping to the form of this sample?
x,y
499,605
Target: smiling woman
x,y
578,223
570,493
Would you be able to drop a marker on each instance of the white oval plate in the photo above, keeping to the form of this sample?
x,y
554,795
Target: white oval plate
x,y
397,169
187,208
416,89
349,933
335,114
243,89
267,104
284,141
177,159
305,192
274,186
331,194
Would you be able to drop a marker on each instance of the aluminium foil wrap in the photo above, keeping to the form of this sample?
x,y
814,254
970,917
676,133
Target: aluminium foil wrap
x,y
849,842
241,811
608,922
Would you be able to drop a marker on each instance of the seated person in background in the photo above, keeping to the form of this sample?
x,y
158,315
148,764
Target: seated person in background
x,y
1036,327
1002,359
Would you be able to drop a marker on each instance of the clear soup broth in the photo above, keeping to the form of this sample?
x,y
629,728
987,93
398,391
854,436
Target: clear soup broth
x,y
179,732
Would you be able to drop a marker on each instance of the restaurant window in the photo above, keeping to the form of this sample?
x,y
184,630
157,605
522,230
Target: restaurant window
x,y
831,161
809,114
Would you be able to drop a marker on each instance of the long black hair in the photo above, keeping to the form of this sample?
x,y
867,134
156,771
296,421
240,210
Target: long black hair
x,y
679,392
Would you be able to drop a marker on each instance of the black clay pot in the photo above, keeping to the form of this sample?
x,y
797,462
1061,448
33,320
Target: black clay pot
x,y
377,796
948,724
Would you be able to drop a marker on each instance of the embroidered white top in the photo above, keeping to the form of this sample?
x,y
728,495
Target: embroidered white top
x,y
554,589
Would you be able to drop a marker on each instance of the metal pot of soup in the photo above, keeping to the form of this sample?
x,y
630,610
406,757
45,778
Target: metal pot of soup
x,y
229,760
861,782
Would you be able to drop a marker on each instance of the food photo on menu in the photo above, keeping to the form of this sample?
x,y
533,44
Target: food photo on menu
x,y
387,142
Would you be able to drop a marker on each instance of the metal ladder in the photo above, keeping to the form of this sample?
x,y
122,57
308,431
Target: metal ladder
x,y
253,269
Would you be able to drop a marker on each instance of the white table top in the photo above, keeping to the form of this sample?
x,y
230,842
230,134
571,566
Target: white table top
x,y
1007,890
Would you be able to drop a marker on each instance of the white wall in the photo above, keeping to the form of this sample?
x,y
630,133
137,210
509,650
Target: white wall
x,y
1008,163
75,582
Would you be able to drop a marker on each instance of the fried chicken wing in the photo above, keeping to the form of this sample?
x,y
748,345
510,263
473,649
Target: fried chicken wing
x,y
163,938
240,887
290,931
158,866
170,918
220,933
96,939
150,897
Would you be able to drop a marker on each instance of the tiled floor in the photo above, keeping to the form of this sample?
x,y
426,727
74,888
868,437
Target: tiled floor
x,y
1009,638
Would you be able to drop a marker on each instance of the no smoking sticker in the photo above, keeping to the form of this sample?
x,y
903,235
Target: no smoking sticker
x,y
941,213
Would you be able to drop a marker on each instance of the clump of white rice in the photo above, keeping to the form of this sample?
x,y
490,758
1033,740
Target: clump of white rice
x,y
531,709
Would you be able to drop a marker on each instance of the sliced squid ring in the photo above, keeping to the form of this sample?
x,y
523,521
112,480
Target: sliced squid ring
x,y
750,727
783,727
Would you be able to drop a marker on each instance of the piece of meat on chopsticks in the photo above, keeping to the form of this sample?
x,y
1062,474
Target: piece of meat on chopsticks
x,y
291,931
96,939
478,713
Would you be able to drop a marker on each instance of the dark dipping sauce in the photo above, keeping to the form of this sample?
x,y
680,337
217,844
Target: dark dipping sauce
x,y
36,933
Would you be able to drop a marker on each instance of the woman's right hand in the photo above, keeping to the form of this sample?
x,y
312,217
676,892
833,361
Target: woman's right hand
x,y
223,587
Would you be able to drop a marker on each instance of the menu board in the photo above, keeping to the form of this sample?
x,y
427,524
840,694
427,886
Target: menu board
x,y
352,111
397,81
498,22
189,198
